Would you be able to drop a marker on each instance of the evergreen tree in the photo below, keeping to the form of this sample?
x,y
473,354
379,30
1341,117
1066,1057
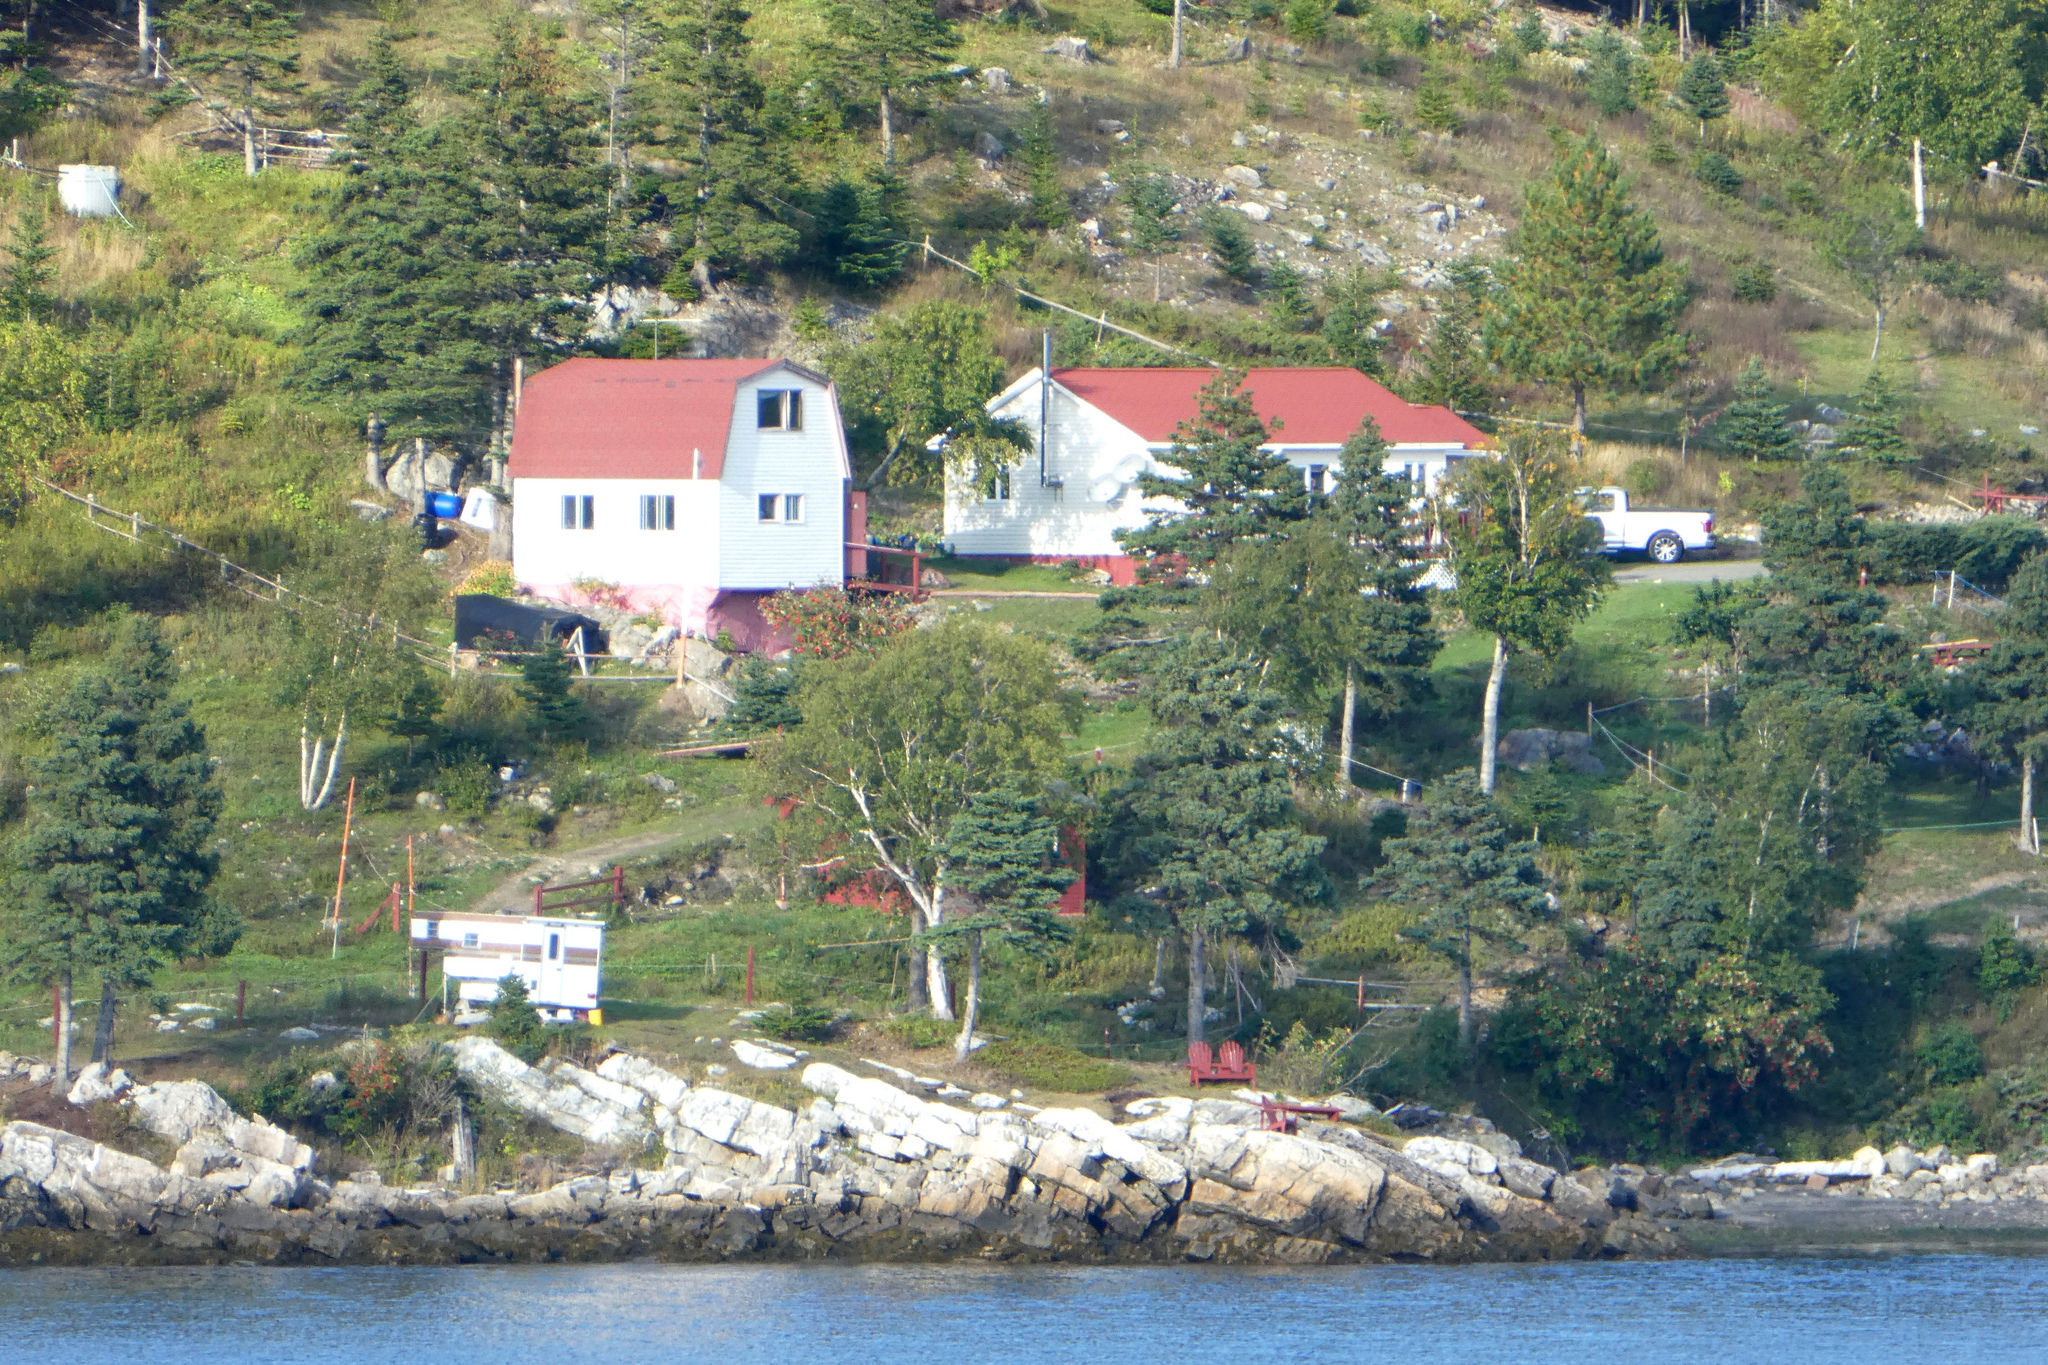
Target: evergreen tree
x,y
1872,432
453,248
514,1023
1588,298
118,855
1228,485
1351,324
731,177
1613,81
1154,225
558,714
1005,854
764,698
1453,363
251,48
1289,308
886,49
859,231
1435,107
25,284
1476,885
1231,240
1208,815
1524,553
1703,91
1039,150
1528,35
1754,424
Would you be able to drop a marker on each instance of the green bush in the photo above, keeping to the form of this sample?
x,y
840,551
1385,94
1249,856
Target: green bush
x,y
1716,172
921,1030
1308,21
515,1023
1986,552
1048,1066
1962,281
798,1023
1754,282
1647,478
1951,1054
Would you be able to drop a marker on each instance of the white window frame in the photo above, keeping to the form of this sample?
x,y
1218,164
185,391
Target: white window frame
x,y
789,409
767,508
657,511
793,505
1316,478
1000,488
579,512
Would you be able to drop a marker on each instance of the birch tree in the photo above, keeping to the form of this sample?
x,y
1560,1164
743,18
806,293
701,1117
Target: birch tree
x,y
1524,553
896,744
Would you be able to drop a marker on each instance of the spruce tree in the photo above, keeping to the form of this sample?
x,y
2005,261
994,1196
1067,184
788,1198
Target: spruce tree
x,y
1703,91
558,714
1587,299
1754,424
884,50
1872,432
250,50
1475,884
859,231
1453,364
1613,81
1231,240
1289,306
454,247
1208,815
1154,226
1039,150
1435,108
118,855
1005,856
1529,35
731,177
25,284
1228,485
1350,324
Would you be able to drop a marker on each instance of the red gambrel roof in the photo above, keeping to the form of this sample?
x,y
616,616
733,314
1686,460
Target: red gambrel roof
x,y
1313,406
628,419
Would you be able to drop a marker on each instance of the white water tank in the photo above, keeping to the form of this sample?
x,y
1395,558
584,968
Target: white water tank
x,y
89,191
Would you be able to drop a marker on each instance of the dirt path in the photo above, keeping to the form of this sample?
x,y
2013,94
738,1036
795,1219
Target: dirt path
x,y
515,893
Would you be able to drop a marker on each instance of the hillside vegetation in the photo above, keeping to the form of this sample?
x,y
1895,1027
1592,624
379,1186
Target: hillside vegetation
x,y
1750,925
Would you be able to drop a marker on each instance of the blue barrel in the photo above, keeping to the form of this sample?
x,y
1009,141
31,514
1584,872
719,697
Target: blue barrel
x,y
444,504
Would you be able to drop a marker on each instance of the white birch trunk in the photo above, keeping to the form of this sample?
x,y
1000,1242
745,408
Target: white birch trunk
x,y
1489,729
970,1014
1345,733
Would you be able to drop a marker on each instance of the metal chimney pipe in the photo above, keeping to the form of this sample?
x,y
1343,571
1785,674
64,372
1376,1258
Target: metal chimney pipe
x,y
1044,403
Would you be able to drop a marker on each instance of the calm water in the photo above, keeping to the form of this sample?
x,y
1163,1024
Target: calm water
x,y
1815,1312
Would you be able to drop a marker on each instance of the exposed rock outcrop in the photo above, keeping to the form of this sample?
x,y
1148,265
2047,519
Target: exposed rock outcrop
x,y
864,1170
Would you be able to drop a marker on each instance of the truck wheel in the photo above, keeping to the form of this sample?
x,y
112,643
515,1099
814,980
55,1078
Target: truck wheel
x,y
1666,548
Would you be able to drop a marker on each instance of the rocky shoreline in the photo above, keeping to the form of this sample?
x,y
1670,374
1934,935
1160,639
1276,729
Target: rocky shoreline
x,y
866,1170
871,1169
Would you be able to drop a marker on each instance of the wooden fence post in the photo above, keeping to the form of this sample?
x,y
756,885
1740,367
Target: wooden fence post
x,y
750,973
241,1001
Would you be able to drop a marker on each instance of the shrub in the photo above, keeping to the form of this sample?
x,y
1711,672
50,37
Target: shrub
x,y
1662,153
1528,34
1301,1063
493,576
2004,965
921,1031
515,1023
1951,1054
1647,478
1435,109
1986,552
1308,21
1962,281
466,783
798,1023
1716,172
1048,1066
1754,282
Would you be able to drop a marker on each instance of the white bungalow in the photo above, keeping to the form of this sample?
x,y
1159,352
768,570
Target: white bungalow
x,y
686,488
1095,430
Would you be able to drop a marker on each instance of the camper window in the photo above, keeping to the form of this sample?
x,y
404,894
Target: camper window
x,y
554,947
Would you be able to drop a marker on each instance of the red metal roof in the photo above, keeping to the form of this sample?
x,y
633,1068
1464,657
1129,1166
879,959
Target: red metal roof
x,y
628,419
1320,406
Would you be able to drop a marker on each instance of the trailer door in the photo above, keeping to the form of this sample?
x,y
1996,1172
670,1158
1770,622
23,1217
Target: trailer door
x,y
553,961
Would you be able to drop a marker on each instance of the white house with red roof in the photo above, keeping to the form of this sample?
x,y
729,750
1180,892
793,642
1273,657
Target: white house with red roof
x,y
1094,431
688,488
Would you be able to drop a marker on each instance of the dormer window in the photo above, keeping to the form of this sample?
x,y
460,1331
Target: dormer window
x,y
779,409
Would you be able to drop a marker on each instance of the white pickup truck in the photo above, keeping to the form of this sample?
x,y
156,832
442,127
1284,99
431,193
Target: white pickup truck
x,y
1662,533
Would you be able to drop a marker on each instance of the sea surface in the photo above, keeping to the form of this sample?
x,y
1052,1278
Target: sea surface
x,y
1922,1308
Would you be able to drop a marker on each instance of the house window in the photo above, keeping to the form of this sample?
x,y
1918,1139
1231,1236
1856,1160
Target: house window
x,y
578,513
780,507
769,504
779,409
792,507
998,487
469,940
1317,477
657,512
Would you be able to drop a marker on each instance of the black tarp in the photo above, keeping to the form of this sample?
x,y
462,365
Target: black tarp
x,y
479,614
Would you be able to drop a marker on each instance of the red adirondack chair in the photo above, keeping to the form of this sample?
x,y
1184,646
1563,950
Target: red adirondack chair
x,y
1227,1063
